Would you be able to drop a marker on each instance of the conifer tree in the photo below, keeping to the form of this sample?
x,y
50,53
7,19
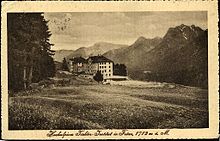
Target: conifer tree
x,y
65,65
29,50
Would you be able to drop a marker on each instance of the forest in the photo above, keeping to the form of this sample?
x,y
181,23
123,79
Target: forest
x,y
29,50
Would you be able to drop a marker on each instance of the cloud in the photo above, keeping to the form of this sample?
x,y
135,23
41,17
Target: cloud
x,y
79,29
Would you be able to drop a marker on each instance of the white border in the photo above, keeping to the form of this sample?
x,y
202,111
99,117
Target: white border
x,y
67,6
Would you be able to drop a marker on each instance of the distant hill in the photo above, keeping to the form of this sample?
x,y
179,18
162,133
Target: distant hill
x,y
96,49
60,54
132,56
180,57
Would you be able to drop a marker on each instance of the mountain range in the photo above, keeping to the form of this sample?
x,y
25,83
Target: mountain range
x,y
181,56
60,54
133,55
96,49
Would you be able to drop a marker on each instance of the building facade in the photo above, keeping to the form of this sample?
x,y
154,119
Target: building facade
x,y
91,65
77,65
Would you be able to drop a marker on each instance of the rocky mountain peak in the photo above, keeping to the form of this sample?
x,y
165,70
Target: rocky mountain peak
x,y
182,26
183,32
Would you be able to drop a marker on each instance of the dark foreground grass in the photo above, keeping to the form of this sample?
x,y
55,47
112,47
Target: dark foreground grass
x,y
73,108
29,117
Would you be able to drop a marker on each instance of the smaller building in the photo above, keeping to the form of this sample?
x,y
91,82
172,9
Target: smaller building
x,y
77,65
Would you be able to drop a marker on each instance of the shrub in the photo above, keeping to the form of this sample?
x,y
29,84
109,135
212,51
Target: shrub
x,y
98,76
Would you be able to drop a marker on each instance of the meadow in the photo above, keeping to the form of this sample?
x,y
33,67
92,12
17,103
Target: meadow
x,y
89,105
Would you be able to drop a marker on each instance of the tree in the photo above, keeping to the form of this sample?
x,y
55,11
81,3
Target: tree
x,y
98,77
120,69
29,50
65,65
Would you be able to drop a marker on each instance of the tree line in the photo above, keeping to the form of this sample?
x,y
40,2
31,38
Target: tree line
x,y
29,50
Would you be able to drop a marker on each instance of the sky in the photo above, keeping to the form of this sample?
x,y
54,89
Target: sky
x,y
82,29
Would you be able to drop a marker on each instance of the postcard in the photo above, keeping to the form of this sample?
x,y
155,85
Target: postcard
x,y
109,70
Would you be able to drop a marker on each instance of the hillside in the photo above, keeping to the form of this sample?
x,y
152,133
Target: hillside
x,y
96,49
131,56
187,65
175,40
60,54
180,57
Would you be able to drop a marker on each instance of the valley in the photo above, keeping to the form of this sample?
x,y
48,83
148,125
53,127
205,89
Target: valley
x,y
181,56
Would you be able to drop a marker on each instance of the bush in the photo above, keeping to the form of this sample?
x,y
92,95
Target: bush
x,y
98,76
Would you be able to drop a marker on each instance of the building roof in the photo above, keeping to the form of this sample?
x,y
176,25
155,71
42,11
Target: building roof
x,y
78,60
99,59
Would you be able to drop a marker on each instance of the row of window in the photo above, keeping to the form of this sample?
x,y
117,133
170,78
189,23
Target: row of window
x,y
103,67
105,71
107,74
103,63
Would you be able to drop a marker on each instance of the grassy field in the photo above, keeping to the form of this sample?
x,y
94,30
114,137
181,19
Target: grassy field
x,y
88,105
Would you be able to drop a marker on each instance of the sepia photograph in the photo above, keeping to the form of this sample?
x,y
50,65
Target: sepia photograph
x,y
109,74
108,70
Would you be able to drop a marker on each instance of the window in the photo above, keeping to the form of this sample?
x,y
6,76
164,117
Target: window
x,y
109,70
106,74
109,74
109,66
105,70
